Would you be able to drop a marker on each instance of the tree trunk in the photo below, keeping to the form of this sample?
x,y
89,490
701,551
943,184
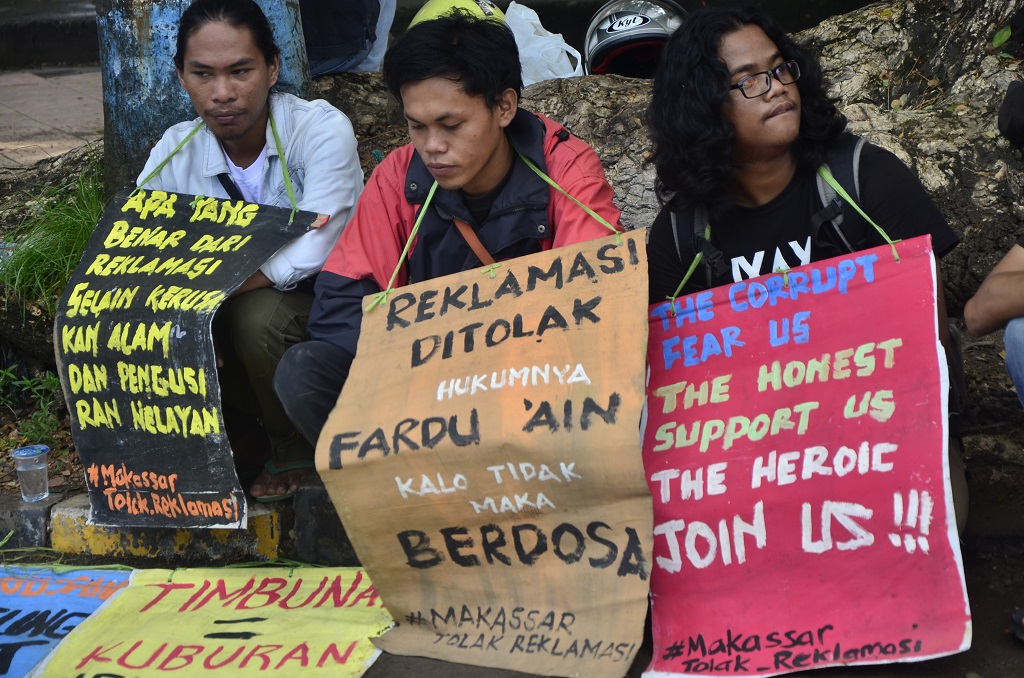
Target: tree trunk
x,y
141,93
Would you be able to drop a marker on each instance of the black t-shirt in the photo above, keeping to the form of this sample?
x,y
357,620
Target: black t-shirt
x,y
777,235
480,206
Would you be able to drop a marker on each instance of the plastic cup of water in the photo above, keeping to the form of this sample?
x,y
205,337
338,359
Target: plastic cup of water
x,y
30,462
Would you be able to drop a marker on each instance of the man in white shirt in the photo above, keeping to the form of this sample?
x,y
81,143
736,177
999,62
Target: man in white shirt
x,y
274,149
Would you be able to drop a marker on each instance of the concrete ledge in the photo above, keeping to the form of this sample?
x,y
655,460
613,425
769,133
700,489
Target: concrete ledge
x,y
50,39
71,533
319,535
30,521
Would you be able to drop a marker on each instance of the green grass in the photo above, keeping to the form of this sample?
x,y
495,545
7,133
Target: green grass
x,y
38,399
50,242
47,248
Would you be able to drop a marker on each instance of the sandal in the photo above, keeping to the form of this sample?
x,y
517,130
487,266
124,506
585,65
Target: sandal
x,y
271,471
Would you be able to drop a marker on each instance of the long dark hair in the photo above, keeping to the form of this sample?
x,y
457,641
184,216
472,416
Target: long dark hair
x,y
236,13
693,143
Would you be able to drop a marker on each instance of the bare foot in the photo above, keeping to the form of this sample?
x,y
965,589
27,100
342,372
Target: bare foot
x,y
267,486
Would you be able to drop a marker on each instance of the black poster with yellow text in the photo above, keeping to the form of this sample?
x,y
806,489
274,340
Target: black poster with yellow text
x,y
136,356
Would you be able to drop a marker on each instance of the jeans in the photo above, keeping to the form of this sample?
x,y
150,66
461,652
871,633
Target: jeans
x,y
362,62
1014,340
373,60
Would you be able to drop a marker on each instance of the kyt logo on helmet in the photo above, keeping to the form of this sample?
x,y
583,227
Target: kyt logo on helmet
x,y
624,23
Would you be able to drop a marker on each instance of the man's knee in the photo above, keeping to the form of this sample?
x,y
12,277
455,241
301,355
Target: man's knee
x,y
248,320
311,370
1014,335
263,323
293,371
253,309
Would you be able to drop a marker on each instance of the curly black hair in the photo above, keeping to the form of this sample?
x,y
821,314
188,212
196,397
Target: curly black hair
x,y
693,143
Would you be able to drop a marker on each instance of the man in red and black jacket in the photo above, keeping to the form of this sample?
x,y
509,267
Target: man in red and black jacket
x,y
458,80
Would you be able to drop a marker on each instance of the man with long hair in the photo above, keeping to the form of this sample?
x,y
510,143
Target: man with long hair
x,y
741,121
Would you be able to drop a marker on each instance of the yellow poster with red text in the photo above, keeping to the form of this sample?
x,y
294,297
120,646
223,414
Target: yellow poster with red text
x,y
229,622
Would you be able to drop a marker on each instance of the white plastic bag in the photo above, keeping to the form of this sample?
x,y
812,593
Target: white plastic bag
x,y
544,55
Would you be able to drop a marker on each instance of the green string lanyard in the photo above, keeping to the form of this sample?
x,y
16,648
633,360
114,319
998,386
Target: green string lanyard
x,y
693,267
831,181
551,182
277,145
381,297
284,168
11,556
159,167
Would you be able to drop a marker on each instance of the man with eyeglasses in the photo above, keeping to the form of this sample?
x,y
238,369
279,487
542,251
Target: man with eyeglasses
x,y
741,121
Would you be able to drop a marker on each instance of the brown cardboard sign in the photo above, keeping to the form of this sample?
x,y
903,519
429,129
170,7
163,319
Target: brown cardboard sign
x,y
485,459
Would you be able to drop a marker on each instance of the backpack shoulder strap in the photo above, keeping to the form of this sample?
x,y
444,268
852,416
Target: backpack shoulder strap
x,y
844,165
695,222
714,260
675,234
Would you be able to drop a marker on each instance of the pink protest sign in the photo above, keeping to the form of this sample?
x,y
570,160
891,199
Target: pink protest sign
x,y
795,449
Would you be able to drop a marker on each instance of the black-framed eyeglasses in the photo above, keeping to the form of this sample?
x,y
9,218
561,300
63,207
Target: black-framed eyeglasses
x,y
756,84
